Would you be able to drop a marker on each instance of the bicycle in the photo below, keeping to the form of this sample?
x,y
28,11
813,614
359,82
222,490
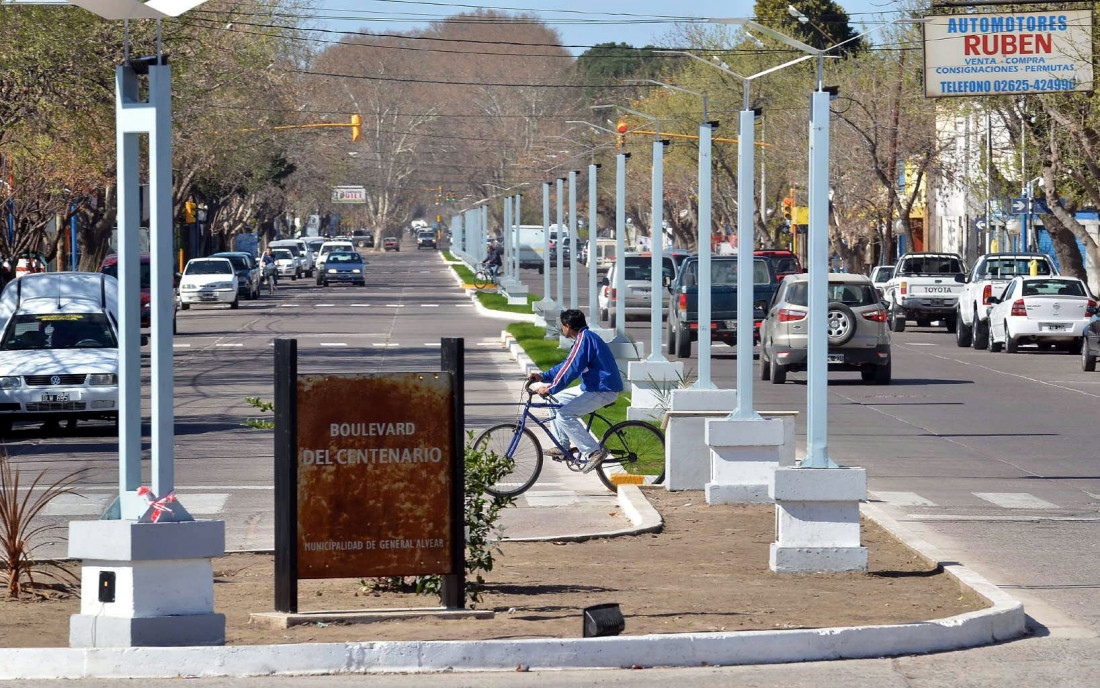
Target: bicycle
x,y
631,444
485,277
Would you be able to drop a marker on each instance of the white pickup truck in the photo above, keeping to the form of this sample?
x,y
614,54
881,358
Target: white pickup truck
x,y
924,287
990,275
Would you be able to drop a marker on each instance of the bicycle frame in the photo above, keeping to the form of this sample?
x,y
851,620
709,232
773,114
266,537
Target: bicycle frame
x,y
543,424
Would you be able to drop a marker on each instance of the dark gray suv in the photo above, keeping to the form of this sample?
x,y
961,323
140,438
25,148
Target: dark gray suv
x,y
858,336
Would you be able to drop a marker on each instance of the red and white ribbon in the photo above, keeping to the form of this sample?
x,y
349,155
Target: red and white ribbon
x,y
159,505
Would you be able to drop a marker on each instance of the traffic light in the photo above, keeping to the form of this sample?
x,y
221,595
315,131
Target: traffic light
x,y
620,138
189,213
788,208
356,128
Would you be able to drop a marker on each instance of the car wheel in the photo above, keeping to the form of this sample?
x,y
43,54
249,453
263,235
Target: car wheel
x,y
671,339
324,283
236,304
779,373
867,373
1011,345
683,342
952,323
897,320
979,339
765,366
611,320
1088,361
175,330
963,336
184,306
603,314
296,275
841,324
362,283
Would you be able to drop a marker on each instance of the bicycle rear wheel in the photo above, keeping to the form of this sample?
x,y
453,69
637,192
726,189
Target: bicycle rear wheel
x,y
635,448
526,456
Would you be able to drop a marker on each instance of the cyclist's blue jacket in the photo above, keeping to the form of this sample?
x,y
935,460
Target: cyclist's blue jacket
x,y
591,360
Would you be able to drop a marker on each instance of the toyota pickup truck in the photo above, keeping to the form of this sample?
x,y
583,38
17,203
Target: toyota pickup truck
x,y
991,274
683,307
925,287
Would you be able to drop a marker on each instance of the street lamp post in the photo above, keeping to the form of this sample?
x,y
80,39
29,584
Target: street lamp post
x,y
573,246
593,284
559,198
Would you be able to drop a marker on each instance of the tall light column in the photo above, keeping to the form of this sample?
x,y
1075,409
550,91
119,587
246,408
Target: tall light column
x,y
657,239
506,239
560,200
546,296
593,281
817,344
704,277
620,241
517,220
746,201
574,247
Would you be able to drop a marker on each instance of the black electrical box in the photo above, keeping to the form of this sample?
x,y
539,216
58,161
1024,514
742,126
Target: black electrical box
x,y
106,586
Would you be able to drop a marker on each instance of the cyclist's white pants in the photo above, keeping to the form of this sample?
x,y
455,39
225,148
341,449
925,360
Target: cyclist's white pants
x,y
568,423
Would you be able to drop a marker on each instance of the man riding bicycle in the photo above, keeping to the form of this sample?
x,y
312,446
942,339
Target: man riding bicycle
x,y
494,260
591,360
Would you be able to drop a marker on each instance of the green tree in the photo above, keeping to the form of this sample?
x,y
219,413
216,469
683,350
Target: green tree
x,y
610,62
828,23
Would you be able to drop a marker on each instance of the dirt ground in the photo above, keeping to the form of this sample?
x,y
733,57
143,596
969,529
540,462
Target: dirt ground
x,y
707,571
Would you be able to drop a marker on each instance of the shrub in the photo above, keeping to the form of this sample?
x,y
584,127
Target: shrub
x,y
19,527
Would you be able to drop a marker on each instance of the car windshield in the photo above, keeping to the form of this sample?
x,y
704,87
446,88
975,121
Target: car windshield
x,y
723,273
1011,267
883,274
335,258
930,265
209,267
146,273
427,235
848,293
239,262
640,268
1054,287
58,331
282,254
786,266
292,248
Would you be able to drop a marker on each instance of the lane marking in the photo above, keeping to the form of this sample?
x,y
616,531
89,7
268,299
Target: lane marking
x,y
181,346
429,305
465,305
230,344
324,305
1002,519
360,305
1015,500
920,344
385,345
333,344
488,344
903,498
288,305
395,305
432,344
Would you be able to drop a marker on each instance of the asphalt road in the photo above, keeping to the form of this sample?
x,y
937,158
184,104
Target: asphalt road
x,y
990,457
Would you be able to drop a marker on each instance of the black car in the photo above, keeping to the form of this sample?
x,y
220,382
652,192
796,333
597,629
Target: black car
x,y
248,272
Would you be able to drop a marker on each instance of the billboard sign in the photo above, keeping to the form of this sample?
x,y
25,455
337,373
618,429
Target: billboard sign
x,y
1010,53
349,194
375,489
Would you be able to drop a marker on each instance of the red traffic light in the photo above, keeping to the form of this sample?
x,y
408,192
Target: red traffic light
x,y
621,127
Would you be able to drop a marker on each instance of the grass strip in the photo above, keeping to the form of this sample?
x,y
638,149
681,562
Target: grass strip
x,y
498,302
546,354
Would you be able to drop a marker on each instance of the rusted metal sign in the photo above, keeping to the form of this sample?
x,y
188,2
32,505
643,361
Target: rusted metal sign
x,y
375,457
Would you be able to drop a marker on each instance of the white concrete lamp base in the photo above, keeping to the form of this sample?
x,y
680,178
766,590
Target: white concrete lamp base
x,y
817,520
651,387
687,455
744,456
156,581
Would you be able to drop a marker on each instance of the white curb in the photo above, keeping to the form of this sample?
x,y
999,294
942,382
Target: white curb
x,y
482,310
643,519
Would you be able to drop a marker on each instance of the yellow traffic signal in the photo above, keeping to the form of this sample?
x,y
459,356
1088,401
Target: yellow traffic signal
x,y
189,209
356,128
620,138
788,204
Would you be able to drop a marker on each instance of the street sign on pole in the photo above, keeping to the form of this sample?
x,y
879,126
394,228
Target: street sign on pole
x,y
1019,206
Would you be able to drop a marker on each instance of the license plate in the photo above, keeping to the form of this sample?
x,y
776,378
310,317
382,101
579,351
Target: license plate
x,y
1055,327
208,297
835,358
55,398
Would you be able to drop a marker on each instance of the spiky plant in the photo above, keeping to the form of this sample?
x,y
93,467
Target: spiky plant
x,y
21,531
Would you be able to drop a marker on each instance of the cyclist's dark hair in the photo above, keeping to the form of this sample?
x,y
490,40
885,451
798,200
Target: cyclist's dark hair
x,y
574,319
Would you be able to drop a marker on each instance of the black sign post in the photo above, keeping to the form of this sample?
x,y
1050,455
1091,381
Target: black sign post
x,y
452,591
286,476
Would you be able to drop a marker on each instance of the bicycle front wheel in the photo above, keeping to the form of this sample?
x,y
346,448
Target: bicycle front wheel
x,y
481,280
635,448
523,449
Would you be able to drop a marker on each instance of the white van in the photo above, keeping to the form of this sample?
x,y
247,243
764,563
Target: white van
x,y
59,348
306,260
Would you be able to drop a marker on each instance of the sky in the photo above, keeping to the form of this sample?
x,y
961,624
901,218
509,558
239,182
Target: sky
x,y
576,29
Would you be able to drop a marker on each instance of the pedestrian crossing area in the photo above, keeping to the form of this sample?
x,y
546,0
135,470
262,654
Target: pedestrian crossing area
x,y
990,505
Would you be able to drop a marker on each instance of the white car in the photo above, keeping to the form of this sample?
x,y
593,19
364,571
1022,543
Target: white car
x,y
208,280
301,250
924,287
59,348
327,248
288,264
988,279
1040,310
880,275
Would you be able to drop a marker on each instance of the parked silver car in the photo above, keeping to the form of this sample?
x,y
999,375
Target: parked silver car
x,y
638,285
858,336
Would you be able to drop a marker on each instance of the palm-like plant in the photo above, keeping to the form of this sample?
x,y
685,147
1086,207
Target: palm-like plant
x,y
20,531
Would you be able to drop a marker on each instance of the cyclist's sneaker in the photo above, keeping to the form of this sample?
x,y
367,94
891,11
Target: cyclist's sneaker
x,y
555,453
594,460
